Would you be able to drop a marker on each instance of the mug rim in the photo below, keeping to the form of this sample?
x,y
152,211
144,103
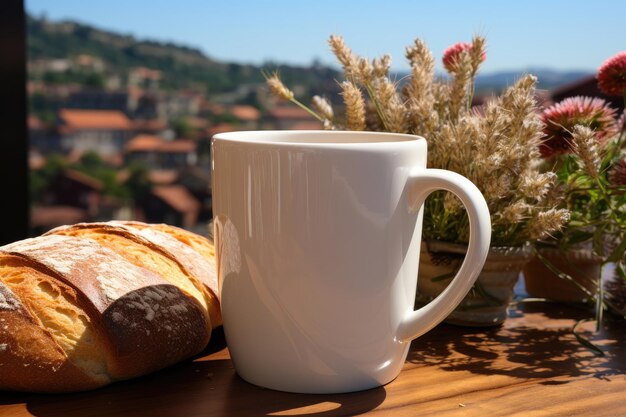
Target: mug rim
x,y
280,138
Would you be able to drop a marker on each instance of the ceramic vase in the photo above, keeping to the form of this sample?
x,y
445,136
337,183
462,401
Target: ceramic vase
x,y
579,263
488,301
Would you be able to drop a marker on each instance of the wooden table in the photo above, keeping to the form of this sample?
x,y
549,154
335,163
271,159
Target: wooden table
x,y
531,366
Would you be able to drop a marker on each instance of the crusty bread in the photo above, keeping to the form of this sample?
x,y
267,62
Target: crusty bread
x,y
30,357
159,253
197,242
198,245
75,314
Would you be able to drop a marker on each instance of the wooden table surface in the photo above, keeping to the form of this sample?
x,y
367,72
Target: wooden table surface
x,y
531,366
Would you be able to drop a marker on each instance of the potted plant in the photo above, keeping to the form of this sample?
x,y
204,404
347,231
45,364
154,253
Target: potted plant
x,y
586,146
495,145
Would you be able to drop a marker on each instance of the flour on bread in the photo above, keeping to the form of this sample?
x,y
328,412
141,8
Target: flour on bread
x,y
8,300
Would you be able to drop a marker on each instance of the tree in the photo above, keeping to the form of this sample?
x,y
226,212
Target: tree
x,y
138,184
92,164
94,80
182,128
41,179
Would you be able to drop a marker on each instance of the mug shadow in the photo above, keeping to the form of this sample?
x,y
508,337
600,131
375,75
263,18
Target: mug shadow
x,y
529,350
199,387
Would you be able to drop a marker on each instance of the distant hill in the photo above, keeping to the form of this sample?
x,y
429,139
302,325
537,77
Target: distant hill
x,y
547,78
184,67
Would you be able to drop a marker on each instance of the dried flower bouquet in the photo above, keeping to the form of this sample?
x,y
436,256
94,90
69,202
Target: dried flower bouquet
x,y
496,146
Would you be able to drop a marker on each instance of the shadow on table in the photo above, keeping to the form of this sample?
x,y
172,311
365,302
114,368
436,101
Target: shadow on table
x,y
527,348
198,388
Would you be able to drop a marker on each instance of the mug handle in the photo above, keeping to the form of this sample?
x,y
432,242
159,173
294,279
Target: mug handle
x,y
421,183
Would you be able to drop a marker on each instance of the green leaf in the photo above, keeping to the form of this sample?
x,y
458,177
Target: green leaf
x,y
618,253
578,236
598,240
583,341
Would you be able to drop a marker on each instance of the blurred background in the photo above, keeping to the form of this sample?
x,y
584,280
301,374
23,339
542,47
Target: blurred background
x,y
122,98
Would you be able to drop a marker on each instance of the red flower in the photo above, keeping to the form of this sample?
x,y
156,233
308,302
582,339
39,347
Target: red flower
x,y
612,75
451,54
561,118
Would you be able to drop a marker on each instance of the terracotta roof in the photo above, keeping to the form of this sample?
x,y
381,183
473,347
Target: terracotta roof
x,y
312,125
53,216
35,160
245,113
155,176
84,179
35,123
74,156
178,146
144,143
149,124
94,119
177,197
284,112
163,176
150,143
114,160
197,122
220,128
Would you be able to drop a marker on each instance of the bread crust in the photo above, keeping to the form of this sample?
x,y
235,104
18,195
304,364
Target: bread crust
x,y
146,322
199,244
190,261
30,358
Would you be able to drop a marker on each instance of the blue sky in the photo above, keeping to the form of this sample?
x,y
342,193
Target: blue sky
x,y
558,34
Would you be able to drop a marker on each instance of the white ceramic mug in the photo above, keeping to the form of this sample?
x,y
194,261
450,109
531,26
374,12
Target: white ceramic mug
x,y
318,236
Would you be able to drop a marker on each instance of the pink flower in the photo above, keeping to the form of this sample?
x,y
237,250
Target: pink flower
x,y
452,53
560,119
612,75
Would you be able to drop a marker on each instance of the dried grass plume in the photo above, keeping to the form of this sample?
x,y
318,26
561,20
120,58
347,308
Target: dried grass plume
x,y
496,147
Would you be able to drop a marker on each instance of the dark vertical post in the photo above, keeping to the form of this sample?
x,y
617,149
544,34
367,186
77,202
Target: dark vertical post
x,y
14,195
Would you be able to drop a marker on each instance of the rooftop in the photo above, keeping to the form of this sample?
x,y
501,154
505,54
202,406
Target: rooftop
x,y
306,125
197,122
94,119
177,146
163,176
84,179
35,123
151,143
220,128
177,197
143,143
245,113
35,160
149,124
287,112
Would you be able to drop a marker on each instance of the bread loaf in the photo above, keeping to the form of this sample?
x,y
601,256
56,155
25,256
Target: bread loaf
x,y
89,304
